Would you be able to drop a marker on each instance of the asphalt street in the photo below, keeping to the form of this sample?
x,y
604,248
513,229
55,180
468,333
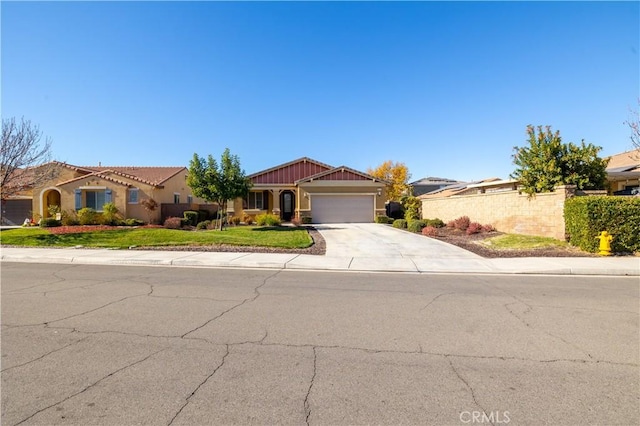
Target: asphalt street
x,y
124,345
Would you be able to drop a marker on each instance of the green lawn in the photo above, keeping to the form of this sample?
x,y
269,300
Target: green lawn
x,y
516,241
281,237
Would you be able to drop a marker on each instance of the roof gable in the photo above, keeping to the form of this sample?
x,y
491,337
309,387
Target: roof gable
x,y
340,173
100,175
624,159
289,173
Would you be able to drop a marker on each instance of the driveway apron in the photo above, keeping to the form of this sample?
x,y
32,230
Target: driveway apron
x,y
372,240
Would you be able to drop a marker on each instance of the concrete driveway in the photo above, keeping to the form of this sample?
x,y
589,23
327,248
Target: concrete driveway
x,y
376,240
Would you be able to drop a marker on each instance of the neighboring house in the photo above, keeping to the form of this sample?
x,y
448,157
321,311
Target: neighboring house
x,y
623,173
76,187
309,188
430,184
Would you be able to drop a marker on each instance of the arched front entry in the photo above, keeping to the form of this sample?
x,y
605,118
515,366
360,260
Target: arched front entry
x,y
50,197
287,205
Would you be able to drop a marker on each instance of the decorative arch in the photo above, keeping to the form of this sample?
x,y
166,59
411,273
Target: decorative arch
x,y
49,197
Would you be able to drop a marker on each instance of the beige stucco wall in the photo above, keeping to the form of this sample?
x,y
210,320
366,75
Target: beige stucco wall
x,y
619,185
509,212
119,193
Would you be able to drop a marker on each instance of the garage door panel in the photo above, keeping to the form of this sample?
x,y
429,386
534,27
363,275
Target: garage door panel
x,y
342,208
14,212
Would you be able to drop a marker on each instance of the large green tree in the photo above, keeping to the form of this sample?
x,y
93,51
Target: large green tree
x,y
218,182
547,162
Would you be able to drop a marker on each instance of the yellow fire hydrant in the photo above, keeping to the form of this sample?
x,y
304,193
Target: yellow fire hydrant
x,y
605,243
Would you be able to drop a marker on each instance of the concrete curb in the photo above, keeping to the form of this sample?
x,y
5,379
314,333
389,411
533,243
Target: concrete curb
x,y
615,266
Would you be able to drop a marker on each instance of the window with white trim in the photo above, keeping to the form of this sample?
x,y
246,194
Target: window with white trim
x,y
176,198
133,196
94,200
190,199
254,201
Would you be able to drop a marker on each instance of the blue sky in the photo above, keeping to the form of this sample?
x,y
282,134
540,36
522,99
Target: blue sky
x,y
447,88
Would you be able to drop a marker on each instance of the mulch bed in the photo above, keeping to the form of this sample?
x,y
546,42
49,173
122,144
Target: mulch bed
x,y
473,244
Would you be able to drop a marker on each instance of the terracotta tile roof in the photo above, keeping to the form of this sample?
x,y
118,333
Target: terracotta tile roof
x,y
149,175
155,176
102,175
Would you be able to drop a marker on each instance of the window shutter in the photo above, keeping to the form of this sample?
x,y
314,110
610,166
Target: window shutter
x,y
107,196
78,194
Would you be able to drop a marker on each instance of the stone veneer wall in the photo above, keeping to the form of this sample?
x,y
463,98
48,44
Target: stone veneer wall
x,y
508,211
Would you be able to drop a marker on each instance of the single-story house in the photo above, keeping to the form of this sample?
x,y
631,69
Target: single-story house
x,y
309,188
623,173
76,187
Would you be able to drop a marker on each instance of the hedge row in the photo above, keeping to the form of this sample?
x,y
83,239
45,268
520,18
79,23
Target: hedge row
x,y
586,217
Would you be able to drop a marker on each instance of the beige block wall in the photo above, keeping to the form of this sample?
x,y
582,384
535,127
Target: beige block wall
x,y
510,212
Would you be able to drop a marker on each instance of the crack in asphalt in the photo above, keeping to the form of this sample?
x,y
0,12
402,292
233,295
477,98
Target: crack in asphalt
x,y
473,394
435,298
586,309
187,400
307,407
90,386
54,274
529,308
544,331
256,292
90,310
44,355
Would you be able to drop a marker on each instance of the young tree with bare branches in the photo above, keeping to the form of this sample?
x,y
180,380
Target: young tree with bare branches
x,y
25,158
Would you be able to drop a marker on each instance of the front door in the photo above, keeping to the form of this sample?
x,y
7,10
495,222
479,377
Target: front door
x,y
287,203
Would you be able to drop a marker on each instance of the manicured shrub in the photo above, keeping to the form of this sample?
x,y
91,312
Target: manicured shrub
x,y
430,231
416,225
49,222
451,224
382,219
400,224
248,220
191,217
133,222
88,216
586,217
174,222
235,220
412,207
267,219
205,224
70,218
436,223
474,228
488,228
110,214
462,223
306,220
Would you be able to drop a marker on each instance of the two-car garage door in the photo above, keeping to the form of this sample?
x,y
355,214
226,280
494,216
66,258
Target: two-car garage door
x,y
342,208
